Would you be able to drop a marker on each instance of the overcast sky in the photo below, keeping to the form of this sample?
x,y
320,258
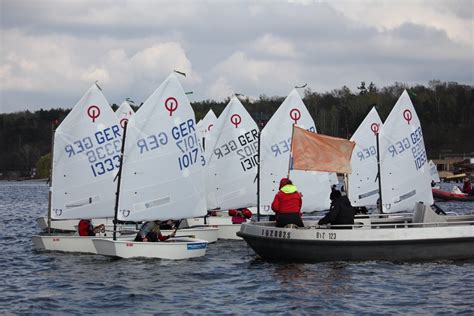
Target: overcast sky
x,y
53,51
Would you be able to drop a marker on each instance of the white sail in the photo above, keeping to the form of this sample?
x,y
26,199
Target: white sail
x,y
333,180
404,165
232,165
434,172
363,185
124,112
86,159
163,167
275,152
205,126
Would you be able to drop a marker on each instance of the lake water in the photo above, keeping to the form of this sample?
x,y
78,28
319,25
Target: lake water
x,y
230,279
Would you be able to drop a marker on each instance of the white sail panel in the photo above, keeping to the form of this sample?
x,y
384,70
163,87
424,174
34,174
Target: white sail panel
x,y
232,164
207,123
363,185
404,165
206,129
275,153
86,159
163,167
333,180
434,172
124,112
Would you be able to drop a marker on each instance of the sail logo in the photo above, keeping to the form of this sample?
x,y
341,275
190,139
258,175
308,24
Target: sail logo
x,y
375,128
171,104
295,115
93,112
407,115
123,122
236,120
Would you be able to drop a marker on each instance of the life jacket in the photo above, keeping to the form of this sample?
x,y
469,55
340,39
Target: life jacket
x,y
84,227
287,200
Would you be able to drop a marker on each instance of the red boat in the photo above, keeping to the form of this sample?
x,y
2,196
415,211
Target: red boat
x,y
451,196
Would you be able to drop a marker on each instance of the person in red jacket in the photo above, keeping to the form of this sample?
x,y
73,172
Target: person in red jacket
x,y
240,215
467,186
287,204
85,228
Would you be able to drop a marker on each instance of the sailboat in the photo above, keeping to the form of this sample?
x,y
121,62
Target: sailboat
x,y
420,235
363,186
162,175
404,172
124,112
205,126
275,154
231,167
86,151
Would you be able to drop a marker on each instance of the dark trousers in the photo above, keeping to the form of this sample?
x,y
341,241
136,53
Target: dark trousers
x,y
289,218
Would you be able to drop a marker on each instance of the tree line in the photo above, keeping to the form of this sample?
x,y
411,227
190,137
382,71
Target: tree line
x,y
445,109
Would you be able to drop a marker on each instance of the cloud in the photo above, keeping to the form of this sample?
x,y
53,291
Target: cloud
x,y
273,45
52,50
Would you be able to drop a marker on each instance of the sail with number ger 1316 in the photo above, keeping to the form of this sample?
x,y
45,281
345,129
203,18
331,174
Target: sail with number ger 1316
x,y
404,165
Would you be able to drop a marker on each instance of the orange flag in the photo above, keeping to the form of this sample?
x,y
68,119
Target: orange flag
x,y
316,152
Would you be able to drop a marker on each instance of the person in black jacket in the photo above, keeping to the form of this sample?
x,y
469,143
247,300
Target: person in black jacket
x,y
341,211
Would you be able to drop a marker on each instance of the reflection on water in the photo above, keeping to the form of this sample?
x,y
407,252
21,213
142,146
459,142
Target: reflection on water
x,y
230,279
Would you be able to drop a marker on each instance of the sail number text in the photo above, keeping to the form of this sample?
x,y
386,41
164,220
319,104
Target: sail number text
x,y
284,146
186,140
245,147
102,150
415,144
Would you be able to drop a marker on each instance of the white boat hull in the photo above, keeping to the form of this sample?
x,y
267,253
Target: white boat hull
x,y
209,234
226,230
402,241
64,243
172,249
70,224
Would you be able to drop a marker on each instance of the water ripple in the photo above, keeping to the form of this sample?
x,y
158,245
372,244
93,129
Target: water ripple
x,y
230,279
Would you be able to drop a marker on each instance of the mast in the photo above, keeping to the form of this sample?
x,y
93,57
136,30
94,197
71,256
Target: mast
x,y
291,150
378,172
53,130
258,175
119,180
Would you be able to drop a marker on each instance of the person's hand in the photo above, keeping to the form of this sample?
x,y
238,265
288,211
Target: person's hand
x,y
145,239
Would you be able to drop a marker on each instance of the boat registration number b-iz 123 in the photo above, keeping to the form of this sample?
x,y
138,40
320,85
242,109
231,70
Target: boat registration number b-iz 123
x,y
326,235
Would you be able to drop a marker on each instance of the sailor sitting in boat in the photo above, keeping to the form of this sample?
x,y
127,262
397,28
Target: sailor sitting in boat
x,y
85,228
341,211
467,186
287,204
150,231
240,215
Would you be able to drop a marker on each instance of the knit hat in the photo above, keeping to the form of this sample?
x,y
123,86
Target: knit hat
x,y
284,181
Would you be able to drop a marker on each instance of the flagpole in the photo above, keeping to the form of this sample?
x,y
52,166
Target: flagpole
x,y
291,150
258,176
